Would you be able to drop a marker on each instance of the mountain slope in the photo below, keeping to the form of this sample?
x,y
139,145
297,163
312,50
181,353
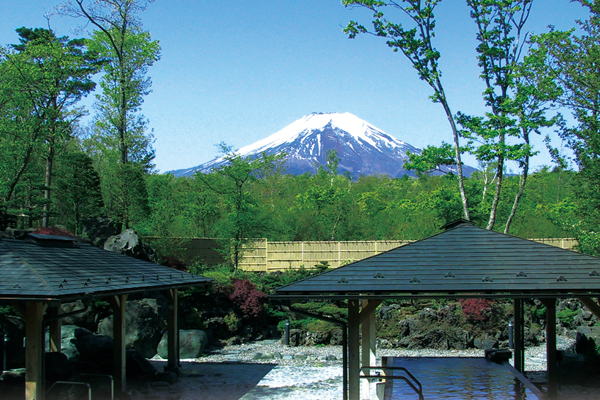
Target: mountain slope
x,y
362,148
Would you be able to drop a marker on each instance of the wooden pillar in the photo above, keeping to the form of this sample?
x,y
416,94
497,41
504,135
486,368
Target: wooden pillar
x,y
369,356
173,331
55,329
551,359
353,350
34,351
118,304
518,336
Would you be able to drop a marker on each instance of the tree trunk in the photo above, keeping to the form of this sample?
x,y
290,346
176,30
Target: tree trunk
x,y
48,182
461,179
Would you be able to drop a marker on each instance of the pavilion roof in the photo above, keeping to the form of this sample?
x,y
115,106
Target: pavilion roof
x,y
45,267
463,261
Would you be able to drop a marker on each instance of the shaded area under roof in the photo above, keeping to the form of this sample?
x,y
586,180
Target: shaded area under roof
x,y
463,261
57,268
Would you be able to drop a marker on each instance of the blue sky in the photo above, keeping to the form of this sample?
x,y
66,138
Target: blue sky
x,y
237,71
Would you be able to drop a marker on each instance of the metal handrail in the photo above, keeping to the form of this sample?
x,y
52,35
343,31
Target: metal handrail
x,y
110,379
418,390
89,388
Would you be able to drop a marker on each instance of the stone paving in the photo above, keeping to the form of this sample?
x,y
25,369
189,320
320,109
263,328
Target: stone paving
x,y
267,370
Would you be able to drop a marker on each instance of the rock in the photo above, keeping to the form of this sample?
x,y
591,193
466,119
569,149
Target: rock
x,y
143,326
129,243
315,338
300,356
485,342
258,356
138,365
88,319
191,344
99,229
330,358
336,337
296,337
68,348
95,349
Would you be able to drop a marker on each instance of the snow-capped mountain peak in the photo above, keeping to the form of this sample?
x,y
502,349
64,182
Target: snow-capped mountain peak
x,y
362,148
357,128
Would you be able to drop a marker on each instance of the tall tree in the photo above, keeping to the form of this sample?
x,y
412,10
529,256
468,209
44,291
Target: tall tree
x,y
573,62
130,52
51,75
416,44
79,194
515,109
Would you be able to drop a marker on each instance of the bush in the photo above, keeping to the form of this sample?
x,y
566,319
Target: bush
x,y
476,310
566,317
247,298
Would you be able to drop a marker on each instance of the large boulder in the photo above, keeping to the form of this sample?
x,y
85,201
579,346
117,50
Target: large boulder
x,y
191,344
88,318
99,229
143,326
94,349
129,243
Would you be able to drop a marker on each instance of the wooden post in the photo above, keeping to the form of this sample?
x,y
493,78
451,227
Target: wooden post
x,y
551,359
369,356
54,343
173,331
353,350
118,304
34,352
518,337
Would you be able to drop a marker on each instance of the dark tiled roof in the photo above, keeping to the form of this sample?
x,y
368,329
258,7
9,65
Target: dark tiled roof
x,y
463,259
47,267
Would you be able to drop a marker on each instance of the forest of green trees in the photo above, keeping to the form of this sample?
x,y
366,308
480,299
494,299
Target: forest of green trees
x,y
54,170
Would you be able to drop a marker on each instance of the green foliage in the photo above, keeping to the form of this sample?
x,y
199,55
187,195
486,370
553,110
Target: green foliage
x,y
79,194
233,181
567,316
539,312
233,322
322,266
569,60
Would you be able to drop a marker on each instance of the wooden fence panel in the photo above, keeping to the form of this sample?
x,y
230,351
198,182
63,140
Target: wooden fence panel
x,y
265,256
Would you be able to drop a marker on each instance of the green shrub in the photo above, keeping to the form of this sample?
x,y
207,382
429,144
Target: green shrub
x,y
566,316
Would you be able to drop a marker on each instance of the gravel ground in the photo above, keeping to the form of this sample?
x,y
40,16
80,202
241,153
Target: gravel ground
x,y
267,370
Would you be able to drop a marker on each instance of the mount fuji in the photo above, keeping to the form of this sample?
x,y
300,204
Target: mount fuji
x,y
362,148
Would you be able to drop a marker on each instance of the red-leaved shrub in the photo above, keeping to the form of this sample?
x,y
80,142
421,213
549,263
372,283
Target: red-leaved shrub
x,y
476,310
53,230
247,298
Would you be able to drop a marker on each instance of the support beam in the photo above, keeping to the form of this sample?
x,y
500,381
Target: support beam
x,y
118,304
519,336
353,350
34,351
591,305
173,331
551,358
369,344
368,309
55,344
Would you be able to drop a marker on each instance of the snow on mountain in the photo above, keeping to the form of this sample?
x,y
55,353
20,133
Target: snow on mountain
x,y
363,149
